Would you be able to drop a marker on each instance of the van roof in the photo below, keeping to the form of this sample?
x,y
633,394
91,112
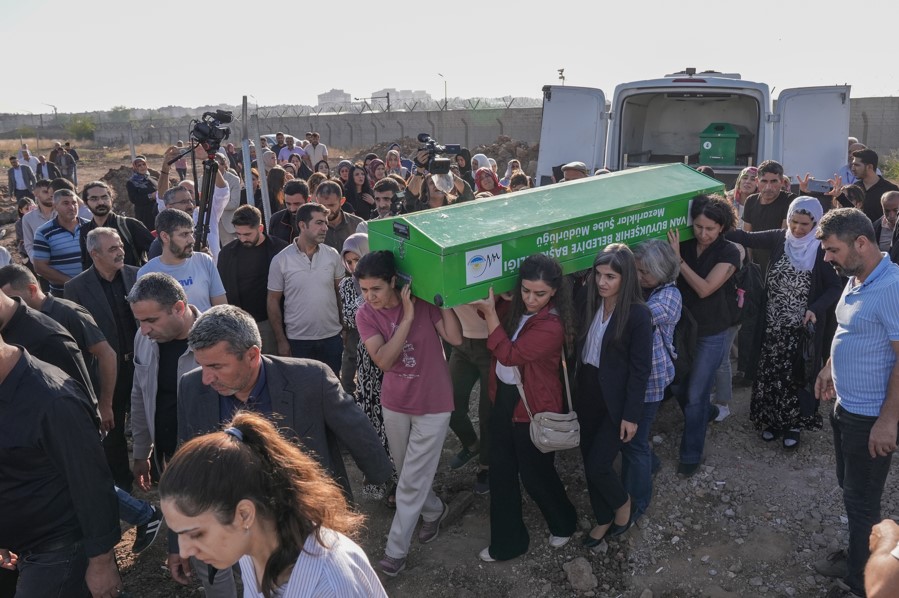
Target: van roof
x,y
698,82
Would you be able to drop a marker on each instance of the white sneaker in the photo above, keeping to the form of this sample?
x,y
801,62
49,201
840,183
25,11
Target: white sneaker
x,y
723,413
558,541
484,555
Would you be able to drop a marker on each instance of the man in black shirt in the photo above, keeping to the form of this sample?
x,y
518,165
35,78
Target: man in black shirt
x,y
767,209
243,265
864,167
99,198
60,514
281,225
45,339
142,193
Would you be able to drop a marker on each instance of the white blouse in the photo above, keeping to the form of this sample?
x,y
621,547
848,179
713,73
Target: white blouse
x,y
340,570
593,344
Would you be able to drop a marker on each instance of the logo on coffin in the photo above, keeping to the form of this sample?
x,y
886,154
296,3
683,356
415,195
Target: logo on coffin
x,y
483,264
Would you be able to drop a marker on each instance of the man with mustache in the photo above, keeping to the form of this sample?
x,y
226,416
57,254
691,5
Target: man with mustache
x,y
99,198
862,374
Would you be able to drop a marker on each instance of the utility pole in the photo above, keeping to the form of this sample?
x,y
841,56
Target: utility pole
x,y
562,76
55,114
445,100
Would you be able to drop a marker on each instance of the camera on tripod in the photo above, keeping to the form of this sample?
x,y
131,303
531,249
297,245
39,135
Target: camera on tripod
x,y
210,130
438,165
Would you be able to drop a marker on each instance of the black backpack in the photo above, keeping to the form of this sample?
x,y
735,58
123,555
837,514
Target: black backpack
x,y
685,337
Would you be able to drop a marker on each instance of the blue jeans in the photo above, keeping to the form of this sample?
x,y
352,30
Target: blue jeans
x,y
133,510
724,390
638,461
327,350
693,396
862,479
54,573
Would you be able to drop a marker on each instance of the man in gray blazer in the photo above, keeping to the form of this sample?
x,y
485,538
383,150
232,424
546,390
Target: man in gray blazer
x,y
101,290
302,396
20,179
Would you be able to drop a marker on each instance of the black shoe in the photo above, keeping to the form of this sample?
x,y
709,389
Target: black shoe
x,y
591,542
616,530
714,410
769,434
482,482
791,439
688,469
147,532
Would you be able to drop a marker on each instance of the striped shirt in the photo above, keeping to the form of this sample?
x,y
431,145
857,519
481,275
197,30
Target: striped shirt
x,y
61,248
665,305
340,570
867,322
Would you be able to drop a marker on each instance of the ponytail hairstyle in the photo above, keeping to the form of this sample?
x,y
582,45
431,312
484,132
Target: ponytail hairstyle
x,y
541,267
251,460
621,259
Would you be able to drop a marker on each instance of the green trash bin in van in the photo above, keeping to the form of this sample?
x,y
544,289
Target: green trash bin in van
x,y
456,253
721,143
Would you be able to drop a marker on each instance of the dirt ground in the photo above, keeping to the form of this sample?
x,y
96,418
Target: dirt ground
x,y
749,524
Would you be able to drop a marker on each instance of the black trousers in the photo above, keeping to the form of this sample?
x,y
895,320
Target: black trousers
x,y
514,456
115,444
600,445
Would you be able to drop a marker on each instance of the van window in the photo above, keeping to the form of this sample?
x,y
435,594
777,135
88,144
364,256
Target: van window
x,y
658,128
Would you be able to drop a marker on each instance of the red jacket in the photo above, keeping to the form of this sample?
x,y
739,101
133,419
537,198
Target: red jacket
x,y
538,354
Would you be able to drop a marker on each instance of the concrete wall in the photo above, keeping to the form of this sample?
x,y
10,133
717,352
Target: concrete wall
x,y
354,131
875,121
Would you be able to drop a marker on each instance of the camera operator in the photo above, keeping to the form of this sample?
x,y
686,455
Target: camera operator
x,y
389,198
425,195
217,204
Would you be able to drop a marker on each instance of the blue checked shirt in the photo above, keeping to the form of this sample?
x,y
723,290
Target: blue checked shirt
x,y
862,356
665,304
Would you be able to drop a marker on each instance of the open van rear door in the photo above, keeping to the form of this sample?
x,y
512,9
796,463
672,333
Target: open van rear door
x,y
811,125
574,127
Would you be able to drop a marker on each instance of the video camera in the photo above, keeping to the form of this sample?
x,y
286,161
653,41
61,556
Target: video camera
x,y
437,165
210,130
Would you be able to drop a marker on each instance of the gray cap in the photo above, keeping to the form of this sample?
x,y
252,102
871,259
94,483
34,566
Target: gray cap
x,y
579,166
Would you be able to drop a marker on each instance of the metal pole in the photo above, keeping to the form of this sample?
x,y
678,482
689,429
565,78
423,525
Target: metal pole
x,y
131,140
245,149
265,208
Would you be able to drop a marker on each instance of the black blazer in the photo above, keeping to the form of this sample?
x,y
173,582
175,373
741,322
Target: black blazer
x,y
85,290
312,408
624,365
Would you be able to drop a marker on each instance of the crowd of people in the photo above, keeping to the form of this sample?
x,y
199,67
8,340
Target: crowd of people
x,y
246,367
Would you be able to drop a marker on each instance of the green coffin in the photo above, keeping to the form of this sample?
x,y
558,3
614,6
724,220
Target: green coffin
x,y
455,254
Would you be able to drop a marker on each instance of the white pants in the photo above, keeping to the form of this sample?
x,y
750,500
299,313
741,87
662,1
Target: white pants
x,y
416,442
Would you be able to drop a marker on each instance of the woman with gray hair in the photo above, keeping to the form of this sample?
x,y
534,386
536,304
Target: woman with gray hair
x,y
657,271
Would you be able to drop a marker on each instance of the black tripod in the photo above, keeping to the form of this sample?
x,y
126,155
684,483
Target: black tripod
x,y
204,198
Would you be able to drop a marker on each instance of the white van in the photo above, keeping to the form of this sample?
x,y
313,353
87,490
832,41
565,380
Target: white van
x,y
674,119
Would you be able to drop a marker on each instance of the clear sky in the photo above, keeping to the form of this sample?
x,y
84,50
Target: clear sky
x,y
95,54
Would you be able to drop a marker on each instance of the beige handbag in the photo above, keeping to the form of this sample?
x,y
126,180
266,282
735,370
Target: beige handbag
x,y
553,431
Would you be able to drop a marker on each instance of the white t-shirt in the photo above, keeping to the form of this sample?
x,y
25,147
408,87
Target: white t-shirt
x,y
198,275
317,153
511,374
310,295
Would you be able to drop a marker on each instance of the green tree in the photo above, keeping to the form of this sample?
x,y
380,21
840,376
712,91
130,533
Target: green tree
x,y
119,114
81,127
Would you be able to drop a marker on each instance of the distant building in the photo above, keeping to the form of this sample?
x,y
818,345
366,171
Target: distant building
x,y
335,96
403,95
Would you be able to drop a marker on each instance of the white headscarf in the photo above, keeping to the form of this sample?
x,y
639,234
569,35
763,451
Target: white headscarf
x,y
803,252
483,162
